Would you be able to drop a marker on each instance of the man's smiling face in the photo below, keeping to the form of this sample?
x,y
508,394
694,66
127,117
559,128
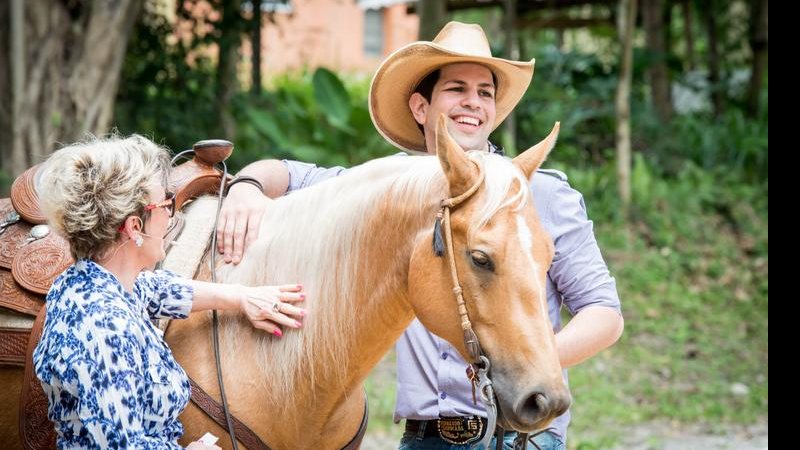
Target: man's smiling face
x,y
465,94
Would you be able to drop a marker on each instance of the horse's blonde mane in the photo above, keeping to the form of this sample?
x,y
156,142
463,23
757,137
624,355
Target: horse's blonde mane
x,y
314,237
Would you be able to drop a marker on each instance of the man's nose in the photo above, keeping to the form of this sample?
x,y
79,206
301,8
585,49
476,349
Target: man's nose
x,y
471,100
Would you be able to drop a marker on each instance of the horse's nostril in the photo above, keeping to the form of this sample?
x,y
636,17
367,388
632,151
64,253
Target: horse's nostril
x,y
532,408
538,406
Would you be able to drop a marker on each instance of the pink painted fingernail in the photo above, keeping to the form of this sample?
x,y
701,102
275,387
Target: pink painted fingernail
x,y
277,332
298,324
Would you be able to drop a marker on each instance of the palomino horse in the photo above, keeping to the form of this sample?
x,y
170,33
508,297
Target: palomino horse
x,y
361,246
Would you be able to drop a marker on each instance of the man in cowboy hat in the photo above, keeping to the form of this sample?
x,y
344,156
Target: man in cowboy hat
x,y
456,74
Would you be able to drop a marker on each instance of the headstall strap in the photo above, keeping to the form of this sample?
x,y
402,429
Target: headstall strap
x,y
479,378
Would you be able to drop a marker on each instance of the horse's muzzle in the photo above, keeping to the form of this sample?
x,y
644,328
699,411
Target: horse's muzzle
x,y
536,409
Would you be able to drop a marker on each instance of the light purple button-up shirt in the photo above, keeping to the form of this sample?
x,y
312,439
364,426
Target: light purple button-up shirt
x,y
431,375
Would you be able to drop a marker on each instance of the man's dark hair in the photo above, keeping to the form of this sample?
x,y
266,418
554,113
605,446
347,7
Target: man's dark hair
x,y
425,88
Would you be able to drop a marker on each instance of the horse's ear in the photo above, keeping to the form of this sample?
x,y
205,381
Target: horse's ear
x,y
460,172
530,160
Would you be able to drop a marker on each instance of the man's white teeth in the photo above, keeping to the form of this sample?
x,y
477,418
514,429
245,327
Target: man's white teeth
x,y
468,120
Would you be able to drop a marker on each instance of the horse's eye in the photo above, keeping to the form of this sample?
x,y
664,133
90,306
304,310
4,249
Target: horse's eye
x,y
482,260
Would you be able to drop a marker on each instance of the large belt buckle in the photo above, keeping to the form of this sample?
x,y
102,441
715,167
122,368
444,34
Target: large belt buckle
x,y
460,430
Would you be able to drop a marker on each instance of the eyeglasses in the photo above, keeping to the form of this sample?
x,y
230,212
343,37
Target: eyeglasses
x,y
168,204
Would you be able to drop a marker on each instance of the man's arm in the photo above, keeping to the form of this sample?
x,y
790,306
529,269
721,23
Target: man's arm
x,y
579,274
243,209
240,217
591,330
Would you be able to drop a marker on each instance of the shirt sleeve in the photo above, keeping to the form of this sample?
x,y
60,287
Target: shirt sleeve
x,y
302,175
166,295
101,400
579,272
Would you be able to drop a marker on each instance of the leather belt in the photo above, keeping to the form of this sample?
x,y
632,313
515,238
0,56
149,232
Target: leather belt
x,y
454,430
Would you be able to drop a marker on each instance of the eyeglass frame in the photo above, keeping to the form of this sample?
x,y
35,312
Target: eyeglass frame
x,y
168,204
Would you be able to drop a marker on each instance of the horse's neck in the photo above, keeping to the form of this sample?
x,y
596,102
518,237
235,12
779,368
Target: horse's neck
x,y
355,270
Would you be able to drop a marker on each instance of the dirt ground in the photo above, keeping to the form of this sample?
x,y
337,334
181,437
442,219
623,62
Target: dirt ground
x,y
651,436
663,437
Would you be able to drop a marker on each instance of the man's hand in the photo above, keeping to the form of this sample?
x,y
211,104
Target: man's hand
x,y
240,220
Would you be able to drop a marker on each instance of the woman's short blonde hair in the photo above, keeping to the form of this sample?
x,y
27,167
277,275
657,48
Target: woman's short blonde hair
x,y
87,189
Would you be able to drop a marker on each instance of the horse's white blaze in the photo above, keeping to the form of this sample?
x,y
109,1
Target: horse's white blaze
x,y
526,242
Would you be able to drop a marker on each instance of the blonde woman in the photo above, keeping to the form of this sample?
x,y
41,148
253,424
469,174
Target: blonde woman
x,y
110,378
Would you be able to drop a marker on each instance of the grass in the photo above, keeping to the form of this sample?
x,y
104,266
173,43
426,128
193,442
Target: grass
x,y
695,347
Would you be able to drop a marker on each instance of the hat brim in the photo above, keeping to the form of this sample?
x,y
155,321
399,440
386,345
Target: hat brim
x,y
396,78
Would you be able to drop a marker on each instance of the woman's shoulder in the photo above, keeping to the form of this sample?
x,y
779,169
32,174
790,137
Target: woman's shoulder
x,y
85,305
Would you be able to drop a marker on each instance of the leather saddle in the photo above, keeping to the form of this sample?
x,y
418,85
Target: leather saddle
x,y
31,257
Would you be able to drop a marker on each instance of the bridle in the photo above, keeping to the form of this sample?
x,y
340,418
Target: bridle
x,y
477,357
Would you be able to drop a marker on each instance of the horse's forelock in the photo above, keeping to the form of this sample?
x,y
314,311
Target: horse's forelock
x,y
501,178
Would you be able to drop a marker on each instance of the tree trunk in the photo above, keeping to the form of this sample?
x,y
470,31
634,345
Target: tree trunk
x,y
66,71
653,17
257,23
717,92
627,21
512,53
432,17
758,44
688,35
229,41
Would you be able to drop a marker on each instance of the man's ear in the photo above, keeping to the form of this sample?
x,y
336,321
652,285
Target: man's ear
x,y
419,107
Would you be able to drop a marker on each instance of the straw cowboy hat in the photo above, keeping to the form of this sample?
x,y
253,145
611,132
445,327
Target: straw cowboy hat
x,y
398,76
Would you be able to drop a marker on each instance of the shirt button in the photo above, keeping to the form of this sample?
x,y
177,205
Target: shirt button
x,y
444,355
443,396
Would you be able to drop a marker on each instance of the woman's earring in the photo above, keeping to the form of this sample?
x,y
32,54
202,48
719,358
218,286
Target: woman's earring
x,y
138,240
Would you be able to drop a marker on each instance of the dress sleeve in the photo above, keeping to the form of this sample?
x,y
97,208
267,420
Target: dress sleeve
x,y
166,294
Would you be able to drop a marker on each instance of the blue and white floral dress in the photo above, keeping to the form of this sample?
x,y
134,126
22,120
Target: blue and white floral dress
x,y
110,378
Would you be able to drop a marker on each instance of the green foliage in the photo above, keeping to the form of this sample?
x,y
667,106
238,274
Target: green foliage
x,y
732,142
161,95
312,117
692,272
578,88
332,97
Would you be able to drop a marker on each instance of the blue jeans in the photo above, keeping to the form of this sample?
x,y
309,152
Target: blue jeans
x,y
412,441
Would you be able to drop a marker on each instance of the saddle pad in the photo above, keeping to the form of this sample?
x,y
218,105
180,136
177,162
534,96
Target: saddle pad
x,y
188,249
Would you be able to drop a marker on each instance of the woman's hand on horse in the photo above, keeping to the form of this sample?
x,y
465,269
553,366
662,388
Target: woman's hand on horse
x,y
268,307
239,220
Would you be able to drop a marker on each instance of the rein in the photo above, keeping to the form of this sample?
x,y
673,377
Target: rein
x,y
478,358
220,411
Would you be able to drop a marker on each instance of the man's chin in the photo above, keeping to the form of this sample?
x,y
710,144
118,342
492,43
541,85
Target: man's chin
x,y
472,143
